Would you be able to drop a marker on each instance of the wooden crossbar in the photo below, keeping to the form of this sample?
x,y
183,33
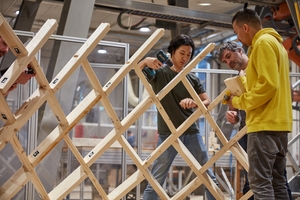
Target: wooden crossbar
x,y
24,160
6,114
87,170
15,183
11,39
176,133
31,105
46,92
19,65
195,166
79,57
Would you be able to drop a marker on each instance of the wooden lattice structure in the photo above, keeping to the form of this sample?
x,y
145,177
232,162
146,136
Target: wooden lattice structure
x,y
46,92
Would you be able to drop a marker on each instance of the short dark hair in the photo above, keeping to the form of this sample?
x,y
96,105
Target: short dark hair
x,y
231,46
181,40
247,16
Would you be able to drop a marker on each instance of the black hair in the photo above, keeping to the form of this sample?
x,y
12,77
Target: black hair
x,y
181,40
246,16
231,46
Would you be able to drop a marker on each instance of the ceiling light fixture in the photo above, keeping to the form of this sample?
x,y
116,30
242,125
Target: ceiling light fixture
x,y
144,29
204,4
102,51
17,12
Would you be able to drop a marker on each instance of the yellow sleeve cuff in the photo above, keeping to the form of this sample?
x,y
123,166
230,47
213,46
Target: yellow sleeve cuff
x,y
235,102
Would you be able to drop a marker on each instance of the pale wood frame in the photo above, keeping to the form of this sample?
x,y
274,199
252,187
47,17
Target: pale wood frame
x,y
46,92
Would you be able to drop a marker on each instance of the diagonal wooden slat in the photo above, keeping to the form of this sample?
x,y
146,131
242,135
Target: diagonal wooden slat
x,y
8,190
33,47
22,115
6,114
91,75
217,100
79,56
10,38
85,167
52,101
146,173
133,61
24,160
154,155
195,166
66,123
60,131
238,151
74,178
158,105
247,195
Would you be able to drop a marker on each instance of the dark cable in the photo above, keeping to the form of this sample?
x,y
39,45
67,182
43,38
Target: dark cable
x,y
133,27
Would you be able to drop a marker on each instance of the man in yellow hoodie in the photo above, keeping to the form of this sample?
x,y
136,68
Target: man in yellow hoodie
x,y
267,103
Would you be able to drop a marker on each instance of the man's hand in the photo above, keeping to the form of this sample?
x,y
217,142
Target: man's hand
x,y
14,86
188,103
150,62
231,117
229,101
242,73
24,78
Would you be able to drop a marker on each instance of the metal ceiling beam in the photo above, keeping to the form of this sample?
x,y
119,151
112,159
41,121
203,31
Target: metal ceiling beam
x,y
165,10
269,3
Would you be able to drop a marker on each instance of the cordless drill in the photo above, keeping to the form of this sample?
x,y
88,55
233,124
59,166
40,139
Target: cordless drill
x,y
29,70
162,57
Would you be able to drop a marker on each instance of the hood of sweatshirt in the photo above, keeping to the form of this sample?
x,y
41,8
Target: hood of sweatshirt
x,y
269,31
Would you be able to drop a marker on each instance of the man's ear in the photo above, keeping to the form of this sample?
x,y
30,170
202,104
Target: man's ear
x,y
240,51
246,28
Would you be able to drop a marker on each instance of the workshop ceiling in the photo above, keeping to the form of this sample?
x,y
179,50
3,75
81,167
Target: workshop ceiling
x,y
219,11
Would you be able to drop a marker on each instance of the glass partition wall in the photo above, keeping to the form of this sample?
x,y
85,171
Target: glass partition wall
x,y
114,166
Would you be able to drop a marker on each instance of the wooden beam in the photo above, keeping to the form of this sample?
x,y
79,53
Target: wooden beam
x,y
60,131
15,183
74,178
195,166
24,160
68,184
235,85
19,65
217,100
6,114
133,61
247,195
236,151
224,149
186,70
11,39
85,167
127,185
158,105
91,75
79,56
188,189
22,115
52,100
146,173
154,155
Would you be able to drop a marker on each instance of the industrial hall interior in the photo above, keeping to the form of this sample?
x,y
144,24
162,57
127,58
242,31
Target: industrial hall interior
x,y
149,99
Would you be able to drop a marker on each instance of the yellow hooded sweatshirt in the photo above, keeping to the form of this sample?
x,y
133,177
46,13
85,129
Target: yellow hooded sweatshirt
x,y
267,101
